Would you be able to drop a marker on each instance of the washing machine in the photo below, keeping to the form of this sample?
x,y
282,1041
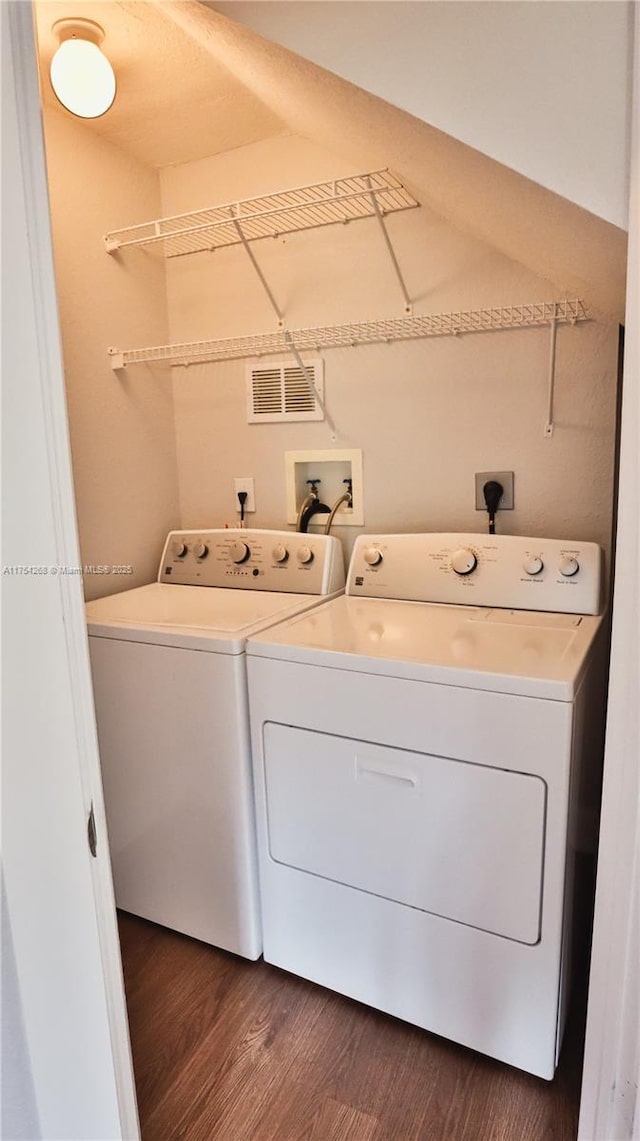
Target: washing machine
x,y
169,673
419,745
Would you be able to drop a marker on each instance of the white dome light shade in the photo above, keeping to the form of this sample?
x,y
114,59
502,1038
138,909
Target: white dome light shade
x,y
82,76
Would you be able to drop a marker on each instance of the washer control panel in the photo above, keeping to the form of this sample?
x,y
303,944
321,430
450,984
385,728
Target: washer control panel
x,y
254,560
506,571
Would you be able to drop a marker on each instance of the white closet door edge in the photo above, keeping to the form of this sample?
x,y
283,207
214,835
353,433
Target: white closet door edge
x,y
609,1106
97,936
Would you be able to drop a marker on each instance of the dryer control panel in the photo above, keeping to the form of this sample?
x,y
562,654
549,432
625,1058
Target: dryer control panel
x,y
506,571
283,561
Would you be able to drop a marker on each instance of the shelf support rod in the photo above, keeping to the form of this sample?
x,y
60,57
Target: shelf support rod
x,y
262,278
287,335
408,306
553,328
310,385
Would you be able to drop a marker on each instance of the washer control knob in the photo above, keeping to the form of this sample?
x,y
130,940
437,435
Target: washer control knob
x,y
305,555
463,561
373,556
533,565
280,554
239,552
180,549
201,550
568,566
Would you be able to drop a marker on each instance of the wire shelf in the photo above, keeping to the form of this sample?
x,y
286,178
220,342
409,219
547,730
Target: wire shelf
x,y
358,333
304,208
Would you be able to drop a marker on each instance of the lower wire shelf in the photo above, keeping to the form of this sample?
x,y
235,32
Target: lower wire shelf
x,y
357,333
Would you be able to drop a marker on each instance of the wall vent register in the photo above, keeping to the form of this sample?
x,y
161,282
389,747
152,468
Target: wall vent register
x,y
278,391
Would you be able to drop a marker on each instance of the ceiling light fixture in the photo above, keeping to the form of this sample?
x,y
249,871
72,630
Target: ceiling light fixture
x,y
81,76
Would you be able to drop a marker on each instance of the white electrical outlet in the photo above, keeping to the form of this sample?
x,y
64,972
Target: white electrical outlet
x,y
245,483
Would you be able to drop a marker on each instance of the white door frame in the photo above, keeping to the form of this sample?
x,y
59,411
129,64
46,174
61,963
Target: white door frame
x,y
68,982
609,1109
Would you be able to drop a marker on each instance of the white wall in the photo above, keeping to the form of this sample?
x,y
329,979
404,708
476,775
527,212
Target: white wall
x,y
541,87
122,430
427,414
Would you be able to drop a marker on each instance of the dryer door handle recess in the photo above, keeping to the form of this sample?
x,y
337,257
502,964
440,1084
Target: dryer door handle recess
x,y
366,770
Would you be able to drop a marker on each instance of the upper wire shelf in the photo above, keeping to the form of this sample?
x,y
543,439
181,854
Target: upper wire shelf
x,y
359,333
303,208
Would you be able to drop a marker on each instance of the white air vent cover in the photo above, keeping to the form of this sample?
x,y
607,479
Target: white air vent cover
x,y
278,390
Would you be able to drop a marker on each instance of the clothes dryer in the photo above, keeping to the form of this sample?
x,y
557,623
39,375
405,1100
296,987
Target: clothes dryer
x,y
418,746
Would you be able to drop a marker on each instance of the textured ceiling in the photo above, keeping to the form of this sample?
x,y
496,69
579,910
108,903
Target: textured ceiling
x,y
174,102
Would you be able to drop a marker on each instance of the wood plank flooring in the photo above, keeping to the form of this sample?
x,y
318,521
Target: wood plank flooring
x,y
226,1050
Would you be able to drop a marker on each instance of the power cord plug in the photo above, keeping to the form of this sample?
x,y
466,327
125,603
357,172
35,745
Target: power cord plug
x,y
242,499
493,492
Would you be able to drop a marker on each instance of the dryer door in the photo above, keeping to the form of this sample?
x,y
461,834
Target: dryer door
x,y
459,840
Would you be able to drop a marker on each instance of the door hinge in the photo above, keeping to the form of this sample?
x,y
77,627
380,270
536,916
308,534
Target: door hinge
x,y
92,835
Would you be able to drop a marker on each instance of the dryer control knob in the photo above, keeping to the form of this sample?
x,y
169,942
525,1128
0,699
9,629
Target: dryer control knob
x,y
373,556
239,552
201,550
463,561
568,566
280,554
533,565
305,555
180,549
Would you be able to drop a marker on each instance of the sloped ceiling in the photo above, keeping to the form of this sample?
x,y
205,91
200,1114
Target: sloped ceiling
x,y
193,83
581,254
541,87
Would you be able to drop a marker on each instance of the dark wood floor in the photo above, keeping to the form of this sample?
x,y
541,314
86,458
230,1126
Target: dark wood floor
x,y
226,1050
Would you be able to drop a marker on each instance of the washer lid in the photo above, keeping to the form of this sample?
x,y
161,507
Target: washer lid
x,y
508,651
210,618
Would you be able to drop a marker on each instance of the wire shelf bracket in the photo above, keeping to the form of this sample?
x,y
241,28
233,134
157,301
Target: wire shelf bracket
x,y
259,274
553,328
408,307
339,201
